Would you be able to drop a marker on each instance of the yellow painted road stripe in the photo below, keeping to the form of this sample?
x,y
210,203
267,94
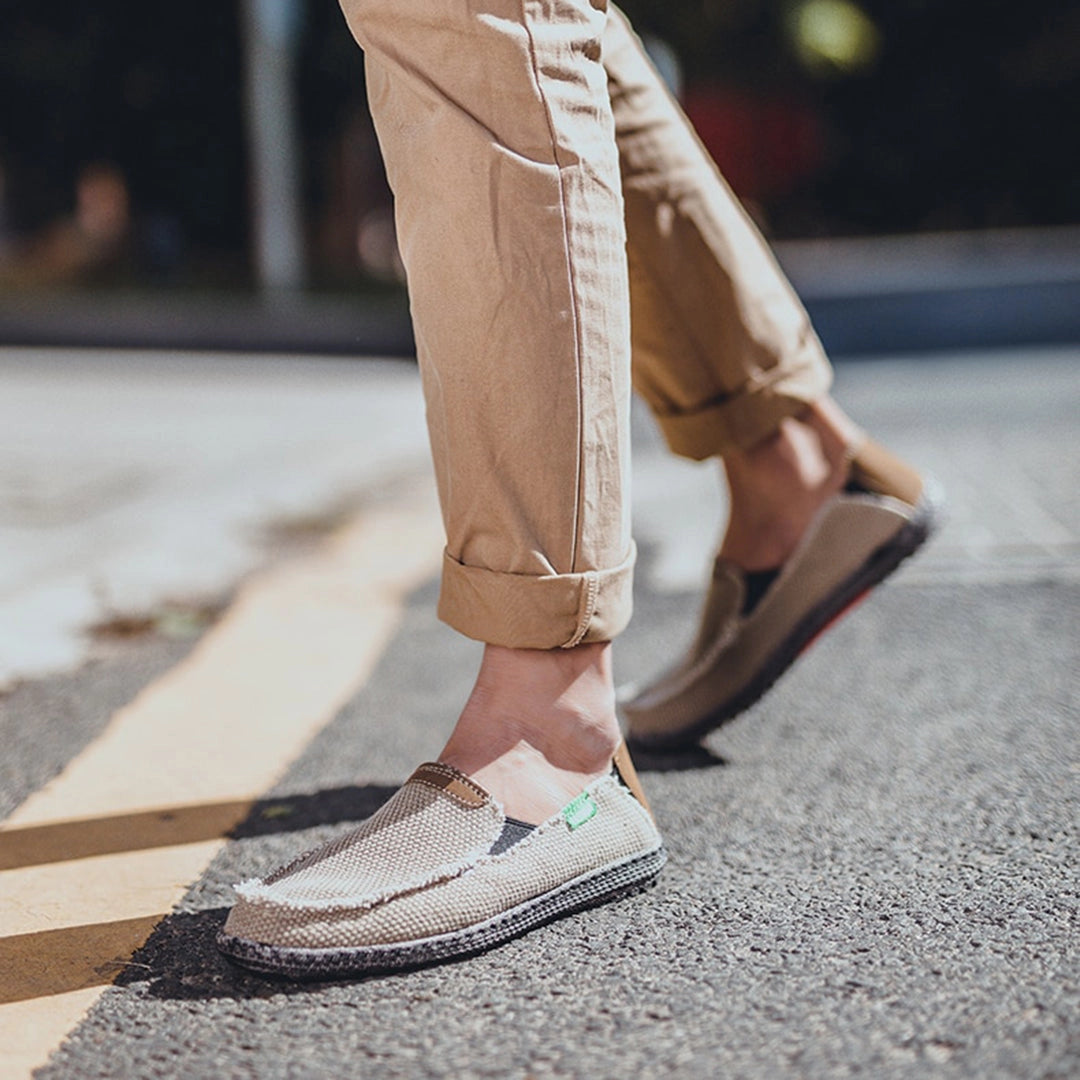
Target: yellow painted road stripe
x,y
91,862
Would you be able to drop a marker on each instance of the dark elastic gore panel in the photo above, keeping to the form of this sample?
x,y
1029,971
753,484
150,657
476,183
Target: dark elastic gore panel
x,y
512,831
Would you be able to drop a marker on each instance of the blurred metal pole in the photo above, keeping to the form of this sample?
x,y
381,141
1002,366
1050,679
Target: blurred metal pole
x,y
269,33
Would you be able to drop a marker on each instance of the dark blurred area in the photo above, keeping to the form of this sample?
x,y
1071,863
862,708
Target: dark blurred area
x,y
885,116
213,149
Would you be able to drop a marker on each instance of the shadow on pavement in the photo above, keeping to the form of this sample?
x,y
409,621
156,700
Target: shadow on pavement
x,y
78,957
180,960
292,813
167,826
685,759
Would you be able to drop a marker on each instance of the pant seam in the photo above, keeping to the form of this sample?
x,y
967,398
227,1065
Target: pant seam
x,y
572,282
592,592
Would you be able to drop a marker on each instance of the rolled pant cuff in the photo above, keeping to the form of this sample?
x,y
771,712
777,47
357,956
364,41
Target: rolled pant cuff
x,y
521,611
746,418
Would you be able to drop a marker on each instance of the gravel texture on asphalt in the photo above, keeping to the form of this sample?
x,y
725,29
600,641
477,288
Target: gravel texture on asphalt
x,y
873,872
44,723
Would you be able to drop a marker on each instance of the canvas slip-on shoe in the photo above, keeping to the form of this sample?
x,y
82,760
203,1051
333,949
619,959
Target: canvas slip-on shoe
x,y
859,537
438,873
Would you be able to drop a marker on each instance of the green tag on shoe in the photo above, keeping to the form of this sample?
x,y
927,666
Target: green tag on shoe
x,y
582,809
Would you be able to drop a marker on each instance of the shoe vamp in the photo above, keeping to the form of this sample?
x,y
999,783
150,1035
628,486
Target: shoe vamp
x,y
720,615
843,539
552,855
421,834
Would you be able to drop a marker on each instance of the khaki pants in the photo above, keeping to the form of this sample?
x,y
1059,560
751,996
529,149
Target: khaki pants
x,y
550,195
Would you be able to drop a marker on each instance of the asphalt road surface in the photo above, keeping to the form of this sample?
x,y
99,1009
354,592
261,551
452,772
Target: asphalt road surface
x,y
873,872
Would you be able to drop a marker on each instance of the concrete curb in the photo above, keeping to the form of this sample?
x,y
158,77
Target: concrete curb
x,y
867,296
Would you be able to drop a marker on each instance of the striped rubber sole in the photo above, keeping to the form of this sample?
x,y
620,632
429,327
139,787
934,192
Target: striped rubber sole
x,y
601,886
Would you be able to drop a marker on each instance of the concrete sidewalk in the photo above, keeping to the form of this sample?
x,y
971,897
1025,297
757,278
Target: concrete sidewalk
x,y
132,481
872,872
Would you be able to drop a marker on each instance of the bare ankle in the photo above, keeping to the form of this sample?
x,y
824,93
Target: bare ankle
x,y
778,486
840,434
538,726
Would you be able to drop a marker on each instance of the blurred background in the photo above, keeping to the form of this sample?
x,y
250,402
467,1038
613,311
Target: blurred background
x,y
165,168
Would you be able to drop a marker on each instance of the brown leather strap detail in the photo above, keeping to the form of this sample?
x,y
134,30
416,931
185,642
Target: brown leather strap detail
x,y
628,774
880,471
453,783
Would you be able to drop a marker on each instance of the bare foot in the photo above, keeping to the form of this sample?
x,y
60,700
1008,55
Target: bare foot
x,y
779,485
538,727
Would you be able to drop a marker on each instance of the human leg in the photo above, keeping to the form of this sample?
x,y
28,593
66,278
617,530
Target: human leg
x,y
725,356
499,144
722,347
778,486
511,229
723,350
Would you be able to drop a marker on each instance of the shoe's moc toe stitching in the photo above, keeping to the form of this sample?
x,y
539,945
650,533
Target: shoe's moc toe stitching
x,y
435,826
418,881
856,540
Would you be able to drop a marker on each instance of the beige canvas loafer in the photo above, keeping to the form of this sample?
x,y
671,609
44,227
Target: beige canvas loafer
x,y
439,873
886,512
